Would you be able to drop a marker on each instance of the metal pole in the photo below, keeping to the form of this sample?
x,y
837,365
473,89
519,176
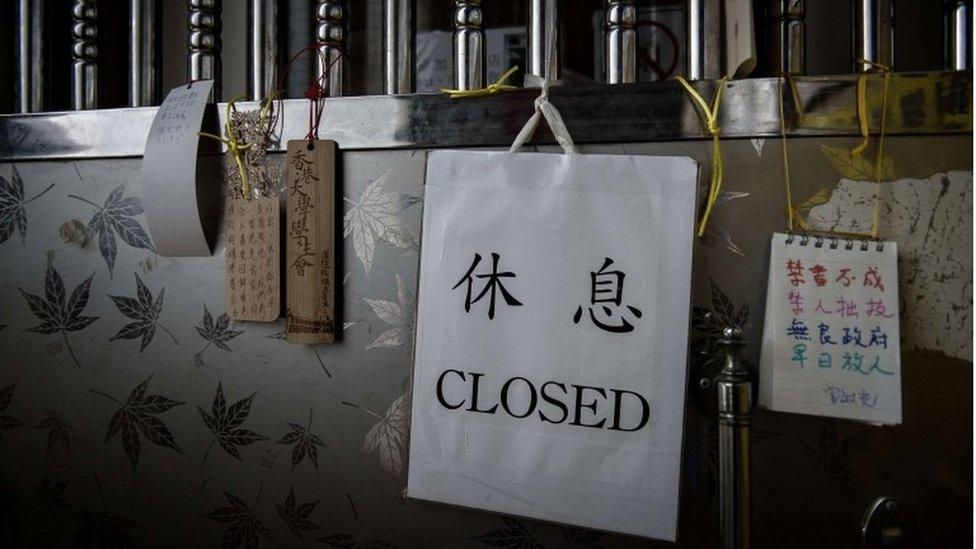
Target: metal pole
x,y
29,86
84,55
331,19
874,37
399,41
543,28
696,40
957,35
262,47
203,43
144,59
734,433
469,45
787,37
621,47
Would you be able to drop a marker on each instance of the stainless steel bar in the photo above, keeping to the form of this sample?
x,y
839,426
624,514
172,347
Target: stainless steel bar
x,y
84,55
203,42
734,435
399,42
469,45
696,40
331,17
543,29
787,37
957,30
144,58
873,32
29,86
621,38
262,47
594,113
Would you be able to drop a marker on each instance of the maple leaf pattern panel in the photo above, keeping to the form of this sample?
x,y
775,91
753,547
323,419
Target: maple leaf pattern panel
x,y
330,474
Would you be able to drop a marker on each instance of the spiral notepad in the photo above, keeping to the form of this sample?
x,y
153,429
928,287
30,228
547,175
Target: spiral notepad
x,y
830,338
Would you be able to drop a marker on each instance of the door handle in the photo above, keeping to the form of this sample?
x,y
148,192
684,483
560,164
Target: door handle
x,y
887,524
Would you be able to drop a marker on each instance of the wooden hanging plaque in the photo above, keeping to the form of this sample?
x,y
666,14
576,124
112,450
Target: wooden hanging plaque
x,y
310,249
252,258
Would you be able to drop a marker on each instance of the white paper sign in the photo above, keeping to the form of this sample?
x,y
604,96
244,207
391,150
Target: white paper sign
x,y
552,337
830,339
169,172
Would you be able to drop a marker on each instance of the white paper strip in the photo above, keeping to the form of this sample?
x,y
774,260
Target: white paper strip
x,y
169,173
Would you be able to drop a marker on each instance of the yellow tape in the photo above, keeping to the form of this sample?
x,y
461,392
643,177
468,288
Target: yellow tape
x,y
496,87
710,115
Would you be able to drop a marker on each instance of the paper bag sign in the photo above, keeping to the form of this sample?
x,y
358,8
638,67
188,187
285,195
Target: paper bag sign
x,y
830,338
551,346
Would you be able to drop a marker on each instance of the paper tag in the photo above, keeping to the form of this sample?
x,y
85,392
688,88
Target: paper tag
x,y
740,38
830,339
252,258
310,235
169,172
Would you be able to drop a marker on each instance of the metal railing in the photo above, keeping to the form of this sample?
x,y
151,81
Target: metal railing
x,y
84,55
331,33
787,37
144,77
203,42
872,35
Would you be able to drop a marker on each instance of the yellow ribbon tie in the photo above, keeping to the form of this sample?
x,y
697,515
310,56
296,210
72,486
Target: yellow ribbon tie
x,y
862,110
863,123
496,87
710,114
234,148
793,217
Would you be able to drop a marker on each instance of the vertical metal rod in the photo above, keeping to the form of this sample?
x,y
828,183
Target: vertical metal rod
x,y
331,18
696,40
873,32
399,41
734,433
84,55
621,37
469,45
203,43
144,58
957,31
262,47
787,37
29,87
543,26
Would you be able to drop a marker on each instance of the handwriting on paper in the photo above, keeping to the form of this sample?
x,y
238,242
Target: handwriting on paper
x,y
830,343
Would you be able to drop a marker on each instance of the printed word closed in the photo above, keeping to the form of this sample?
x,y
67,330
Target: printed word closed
x,y
550,402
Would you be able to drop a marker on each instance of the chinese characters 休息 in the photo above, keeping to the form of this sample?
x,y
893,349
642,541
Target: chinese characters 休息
x,y
606,309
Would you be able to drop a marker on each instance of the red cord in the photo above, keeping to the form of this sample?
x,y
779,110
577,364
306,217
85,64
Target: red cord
x,y
316,93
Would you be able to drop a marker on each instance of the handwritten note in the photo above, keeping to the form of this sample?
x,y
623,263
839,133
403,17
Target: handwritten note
x,y
830,339
169,173
252,259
